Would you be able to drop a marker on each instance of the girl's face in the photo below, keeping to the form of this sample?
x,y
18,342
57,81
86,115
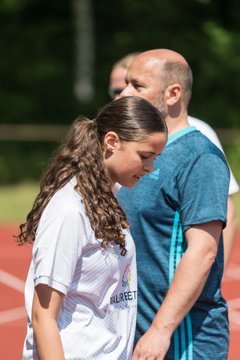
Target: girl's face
x,y
127,162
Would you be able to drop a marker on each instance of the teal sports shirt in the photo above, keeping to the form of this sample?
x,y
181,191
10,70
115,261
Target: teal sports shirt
x,y
189,186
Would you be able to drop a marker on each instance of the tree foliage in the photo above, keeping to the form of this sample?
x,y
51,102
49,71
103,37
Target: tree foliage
x,y
37,48
206,32
38,56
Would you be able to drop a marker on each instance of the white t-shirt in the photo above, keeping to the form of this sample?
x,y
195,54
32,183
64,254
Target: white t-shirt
x,y
98,316
211,135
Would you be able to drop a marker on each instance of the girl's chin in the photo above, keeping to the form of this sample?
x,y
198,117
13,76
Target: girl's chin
x,y
128,183
132,182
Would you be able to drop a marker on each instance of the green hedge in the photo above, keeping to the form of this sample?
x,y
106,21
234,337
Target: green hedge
x,y
232,152
24,161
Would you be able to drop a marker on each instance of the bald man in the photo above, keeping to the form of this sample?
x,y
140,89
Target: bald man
x,y
116,86
177,215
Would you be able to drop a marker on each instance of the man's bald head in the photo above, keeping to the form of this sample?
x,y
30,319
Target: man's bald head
x,y
163,54
171,68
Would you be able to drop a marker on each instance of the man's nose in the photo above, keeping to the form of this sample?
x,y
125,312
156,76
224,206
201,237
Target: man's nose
x,y
126,91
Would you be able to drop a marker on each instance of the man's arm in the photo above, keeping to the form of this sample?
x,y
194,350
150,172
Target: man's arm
x,y
229,233
188,282
231,228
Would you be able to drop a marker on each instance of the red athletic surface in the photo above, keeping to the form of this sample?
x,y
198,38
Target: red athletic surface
x,y
15,261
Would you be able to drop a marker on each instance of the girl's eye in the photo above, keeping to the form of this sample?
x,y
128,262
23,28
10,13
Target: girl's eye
x,y
144,156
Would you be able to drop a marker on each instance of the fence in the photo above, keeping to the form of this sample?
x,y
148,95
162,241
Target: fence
x,y
32,132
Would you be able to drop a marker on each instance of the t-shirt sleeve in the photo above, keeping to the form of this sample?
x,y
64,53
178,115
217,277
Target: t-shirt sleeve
x,y
208,131
204,182
59,240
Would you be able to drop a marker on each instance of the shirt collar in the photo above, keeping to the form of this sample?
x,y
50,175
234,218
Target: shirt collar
x,y
180,133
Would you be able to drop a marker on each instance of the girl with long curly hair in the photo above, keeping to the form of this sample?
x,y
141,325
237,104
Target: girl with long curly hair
x,y
81,289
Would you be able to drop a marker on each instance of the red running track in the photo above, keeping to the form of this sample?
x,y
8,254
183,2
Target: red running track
x,y
14,263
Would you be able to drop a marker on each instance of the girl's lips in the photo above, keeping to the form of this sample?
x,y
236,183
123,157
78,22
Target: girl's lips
x,y
138,177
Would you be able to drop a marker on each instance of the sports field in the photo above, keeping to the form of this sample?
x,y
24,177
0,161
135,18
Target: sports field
x,y
14,262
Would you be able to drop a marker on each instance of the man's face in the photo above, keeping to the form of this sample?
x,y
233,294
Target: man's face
x,y
117,82
143,79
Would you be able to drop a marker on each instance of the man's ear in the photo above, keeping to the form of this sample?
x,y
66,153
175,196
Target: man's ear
x,y
173,94
111,141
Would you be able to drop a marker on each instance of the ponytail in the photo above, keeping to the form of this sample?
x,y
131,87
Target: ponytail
x,y
81,155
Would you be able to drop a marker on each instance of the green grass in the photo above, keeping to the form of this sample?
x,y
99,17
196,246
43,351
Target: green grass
x,y
236,198
16,201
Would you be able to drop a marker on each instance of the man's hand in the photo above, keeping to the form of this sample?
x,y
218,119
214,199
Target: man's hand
x,y
152,345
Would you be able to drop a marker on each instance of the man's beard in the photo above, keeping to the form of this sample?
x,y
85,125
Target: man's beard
x,y
159,104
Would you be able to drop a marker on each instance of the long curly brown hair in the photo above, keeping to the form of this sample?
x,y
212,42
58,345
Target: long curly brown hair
x,y
81,155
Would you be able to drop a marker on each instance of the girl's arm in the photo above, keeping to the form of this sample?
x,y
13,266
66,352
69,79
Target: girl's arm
x,y
46,305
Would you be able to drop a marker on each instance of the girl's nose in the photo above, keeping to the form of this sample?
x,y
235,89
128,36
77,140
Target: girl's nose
x,y
149,167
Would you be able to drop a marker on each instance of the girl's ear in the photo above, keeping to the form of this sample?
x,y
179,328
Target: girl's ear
x,y
111,141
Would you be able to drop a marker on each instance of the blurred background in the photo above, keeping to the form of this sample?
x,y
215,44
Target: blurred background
x,y
55,61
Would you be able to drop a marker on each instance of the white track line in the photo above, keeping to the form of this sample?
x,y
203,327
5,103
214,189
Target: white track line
x,y
12,281
234,303
16,284
12,315
234,313
232,273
